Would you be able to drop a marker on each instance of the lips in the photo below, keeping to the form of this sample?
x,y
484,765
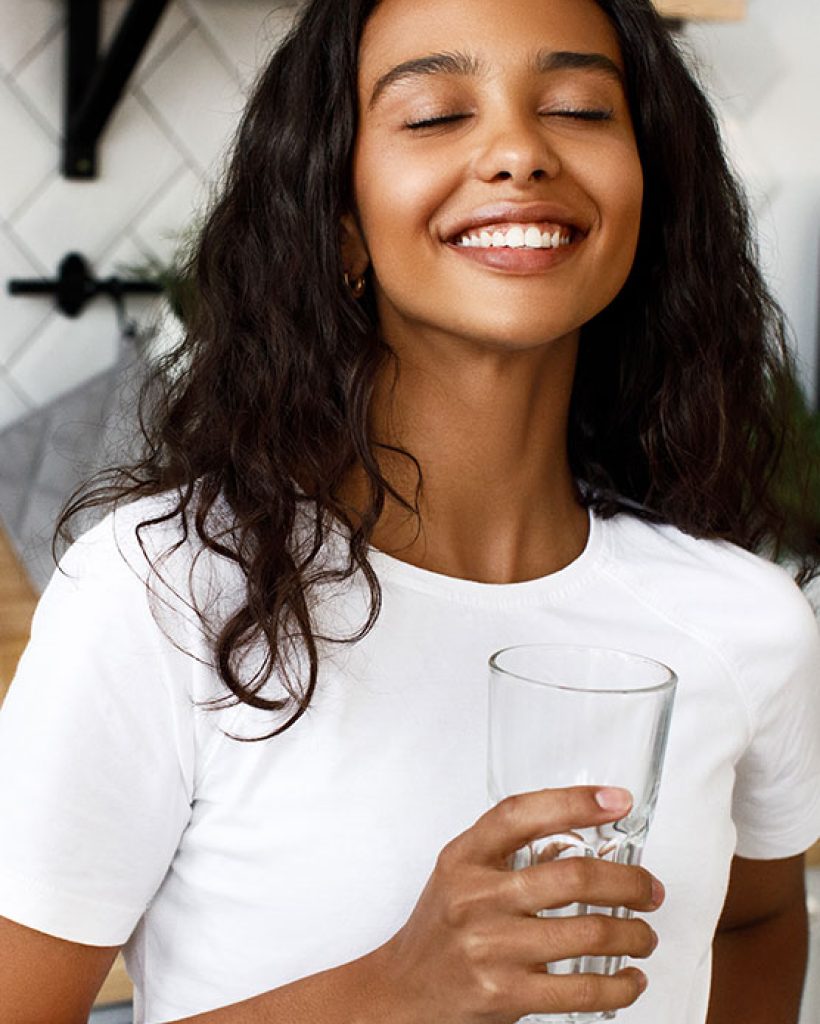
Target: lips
x,y
498,215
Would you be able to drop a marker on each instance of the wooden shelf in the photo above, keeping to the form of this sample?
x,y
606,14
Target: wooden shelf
x,y
703,10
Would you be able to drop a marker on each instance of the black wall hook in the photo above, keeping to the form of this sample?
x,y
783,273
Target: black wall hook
x,y
95,81
74,286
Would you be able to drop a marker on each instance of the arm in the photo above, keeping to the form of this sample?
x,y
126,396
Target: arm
x,y
760,947
46,978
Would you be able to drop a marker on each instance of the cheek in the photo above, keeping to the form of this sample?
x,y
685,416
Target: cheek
x,y
396,197
615,183
621,190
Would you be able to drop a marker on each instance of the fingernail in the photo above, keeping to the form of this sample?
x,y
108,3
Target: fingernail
x,y
614,799
658,893
654,939
643,981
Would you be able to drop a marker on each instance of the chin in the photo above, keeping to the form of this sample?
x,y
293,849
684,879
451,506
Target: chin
x,y
520,337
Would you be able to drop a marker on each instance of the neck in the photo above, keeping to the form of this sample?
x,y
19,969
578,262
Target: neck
x,y
498,502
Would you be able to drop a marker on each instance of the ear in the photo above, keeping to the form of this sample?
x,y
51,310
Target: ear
x,y
355,257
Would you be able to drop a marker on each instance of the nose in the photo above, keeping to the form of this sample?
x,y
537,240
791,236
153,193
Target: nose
x,y
517,151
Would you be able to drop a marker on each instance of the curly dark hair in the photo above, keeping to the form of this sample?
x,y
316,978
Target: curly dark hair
x,y
682,404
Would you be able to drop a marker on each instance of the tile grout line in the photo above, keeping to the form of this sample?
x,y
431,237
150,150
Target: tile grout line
x,y
171,136
164,52
57,26
213,44
39,119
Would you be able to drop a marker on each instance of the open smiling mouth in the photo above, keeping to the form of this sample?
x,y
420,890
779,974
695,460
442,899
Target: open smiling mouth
x,y
518,248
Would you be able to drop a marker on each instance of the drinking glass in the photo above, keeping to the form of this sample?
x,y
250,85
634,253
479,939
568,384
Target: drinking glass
x,y
567,716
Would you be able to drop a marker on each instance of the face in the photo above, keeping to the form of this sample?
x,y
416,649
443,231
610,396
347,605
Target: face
x,y
496,177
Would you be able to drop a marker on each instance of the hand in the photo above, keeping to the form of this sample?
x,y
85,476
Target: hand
x,y
473,951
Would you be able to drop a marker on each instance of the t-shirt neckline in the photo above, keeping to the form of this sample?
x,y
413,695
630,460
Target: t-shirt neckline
x,y
392,570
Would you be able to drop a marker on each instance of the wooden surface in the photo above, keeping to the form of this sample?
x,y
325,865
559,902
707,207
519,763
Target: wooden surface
x,y
17,601
707,10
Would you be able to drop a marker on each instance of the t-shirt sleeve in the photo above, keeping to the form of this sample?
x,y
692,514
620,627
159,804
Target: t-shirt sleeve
x,y
96,756
776,804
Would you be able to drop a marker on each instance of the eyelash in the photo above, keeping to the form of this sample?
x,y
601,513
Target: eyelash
x,y
584,114
579,115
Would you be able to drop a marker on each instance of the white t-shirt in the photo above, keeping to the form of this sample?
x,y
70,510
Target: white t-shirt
x,y
228,869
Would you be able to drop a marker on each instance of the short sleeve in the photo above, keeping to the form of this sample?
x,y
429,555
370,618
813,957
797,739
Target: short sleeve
x,y
96,756
776,805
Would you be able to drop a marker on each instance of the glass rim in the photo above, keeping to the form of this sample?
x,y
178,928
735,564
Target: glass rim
x,y
666,684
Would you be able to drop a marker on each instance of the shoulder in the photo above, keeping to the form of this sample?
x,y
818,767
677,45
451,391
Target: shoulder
x,y
745,607
123,545
137,575
146,544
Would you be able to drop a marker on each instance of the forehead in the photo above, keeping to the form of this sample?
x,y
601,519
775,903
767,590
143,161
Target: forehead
x,y
495,30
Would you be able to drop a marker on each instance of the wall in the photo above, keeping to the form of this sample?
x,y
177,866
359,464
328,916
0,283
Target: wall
x,y
764,77
160,150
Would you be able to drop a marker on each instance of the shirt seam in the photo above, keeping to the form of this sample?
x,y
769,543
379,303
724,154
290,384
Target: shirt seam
x,y
658,610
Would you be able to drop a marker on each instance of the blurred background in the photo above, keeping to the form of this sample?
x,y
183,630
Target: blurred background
x,y
67,382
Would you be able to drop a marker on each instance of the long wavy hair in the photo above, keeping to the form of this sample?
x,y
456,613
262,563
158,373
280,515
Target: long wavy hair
x,y
682,405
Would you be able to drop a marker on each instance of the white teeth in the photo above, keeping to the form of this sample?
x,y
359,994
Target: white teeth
x,y
516,237
532,238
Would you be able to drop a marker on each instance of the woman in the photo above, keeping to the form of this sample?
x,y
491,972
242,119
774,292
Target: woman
x,y
479,355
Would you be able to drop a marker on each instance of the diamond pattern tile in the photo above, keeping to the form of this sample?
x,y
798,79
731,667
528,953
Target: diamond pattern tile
x,y
22,133
168,217
40,80
87,216
66,353
12,404
24,28
246,31
198,97
20,319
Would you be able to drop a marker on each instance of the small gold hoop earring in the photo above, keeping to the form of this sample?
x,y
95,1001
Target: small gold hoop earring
x,y
356,285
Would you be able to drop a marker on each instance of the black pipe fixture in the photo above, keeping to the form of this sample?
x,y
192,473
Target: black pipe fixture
x,y
74,286
94,82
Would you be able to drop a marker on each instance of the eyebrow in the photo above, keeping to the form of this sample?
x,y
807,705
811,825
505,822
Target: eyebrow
x,y
464,65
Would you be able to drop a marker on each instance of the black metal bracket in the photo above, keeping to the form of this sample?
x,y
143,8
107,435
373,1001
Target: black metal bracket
x,y
95,82
75,286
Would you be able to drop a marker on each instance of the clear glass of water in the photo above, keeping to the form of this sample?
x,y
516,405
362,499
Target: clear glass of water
x,y
569,716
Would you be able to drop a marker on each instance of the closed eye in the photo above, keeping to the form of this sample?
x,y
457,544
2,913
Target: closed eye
x,y
582,114
435,122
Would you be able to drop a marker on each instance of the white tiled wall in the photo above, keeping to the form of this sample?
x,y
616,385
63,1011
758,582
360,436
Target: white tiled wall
x,y
161,148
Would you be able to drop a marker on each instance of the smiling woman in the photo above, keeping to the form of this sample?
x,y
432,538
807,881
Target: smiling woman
x,y
478,355
501,138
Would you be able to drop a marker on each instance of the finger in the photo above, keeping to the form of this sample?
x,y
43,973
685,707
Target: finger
x,y
540,941
525,817
568,993
580,880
